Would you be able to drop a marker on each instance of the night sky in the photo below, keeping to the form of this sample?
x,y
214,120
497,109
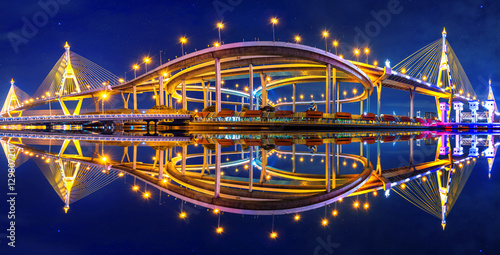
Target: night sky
x,y
117,34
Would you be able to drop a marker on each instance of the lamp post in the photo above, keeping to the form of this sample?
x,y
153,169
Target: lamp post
x,y
356,52
220,26
297,39
325,35
135,70
103,97
183,41
274,21
50,107
146,62
335,44
367,51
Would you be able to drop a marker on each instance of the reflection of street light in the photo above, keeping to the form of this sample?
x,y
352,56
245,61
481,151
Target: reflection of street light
x,y
354,91
344,93
301,97
274,21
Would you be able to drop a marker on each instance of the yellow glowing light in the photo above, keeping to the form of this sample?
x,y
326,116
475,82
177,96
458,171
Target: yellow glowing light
x,y
120,174
356,204
246,89
183,40
216,211
356,52
274,20
424,179
460,165
104,96
121,80
354,91
354,165
182,215
403,186
274,235
460,92
268,177
375,63
245,166
424,78
297,217
219,230
104,159
297,38
220,25
147,60
164,180
216,44
325,33
335,43
366,206
375,193
147,194
341,56
135,188
136,67
335,213
341,199
344,163
301,159
324,222
403,70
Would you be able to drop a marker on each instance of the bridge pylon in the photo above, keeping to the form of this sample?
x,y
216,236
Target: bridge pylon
x,y
445,80
69,74
12,101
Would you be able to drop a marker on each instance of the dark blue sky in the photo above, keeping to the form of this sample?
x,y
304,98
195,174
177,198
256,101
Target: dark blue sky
x,y
115,34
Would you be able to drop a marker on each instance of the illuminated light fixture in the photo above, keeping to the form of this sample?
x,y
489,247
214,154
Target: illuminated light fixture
x,y
375,63
274,20
182,215
120,174
135,188
354,91
367,51
325,33
403,70
366,206
403,186
335,213
341,56
219,230
335,43
375,193
324,222
216,211
296,217
147,194
297,39
356,204
424,179
274,235
216,44
220,25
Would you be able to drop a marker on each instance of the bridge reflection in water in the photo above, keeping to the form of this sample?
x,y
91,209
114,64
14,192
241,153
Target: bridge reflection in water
x,y
261,173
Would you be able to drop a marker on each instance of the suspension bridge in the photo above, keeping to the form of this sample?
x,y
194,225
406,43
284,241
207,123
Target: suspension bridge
x,y
263,188
433,71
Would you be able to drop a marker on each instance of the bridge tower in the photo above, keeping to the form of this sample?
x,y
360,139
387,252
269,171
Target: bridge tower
x,y
69,74
12,101
490,104
490,153
444,67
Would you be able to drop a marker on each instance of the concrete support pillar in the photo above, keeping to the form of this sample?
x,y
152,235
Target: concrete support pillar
x,y
160,81
361,107
263,172
334,89
250,84
444,108
217,85
184,97
160,165
134,158
379,93
135,97
250,171
263,79
293,97
217,170
337,89
328,167
328,89
184,156
458,150
412,96
458,107
205,92
474,106
368,102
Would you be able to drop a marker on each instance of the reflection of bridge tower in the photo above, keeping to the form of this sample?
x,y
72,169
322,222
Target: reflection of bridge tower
x,y
443,145
437,192
458,150
490,153
73,180
446,82
474,151
490,104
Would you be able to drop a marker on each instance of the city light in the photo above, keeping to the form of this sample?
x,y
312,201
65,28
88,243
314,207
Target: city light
x,y
274,235
356,204
219,230
297,39
297,217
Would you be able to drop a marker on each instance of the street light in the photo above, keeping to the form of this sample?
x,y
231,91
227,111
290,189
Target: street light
x,y
103,97
220,26
367,51
325,35
183,41
50,108
135,70
146,61
335,44
274,21
356,52
297,39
